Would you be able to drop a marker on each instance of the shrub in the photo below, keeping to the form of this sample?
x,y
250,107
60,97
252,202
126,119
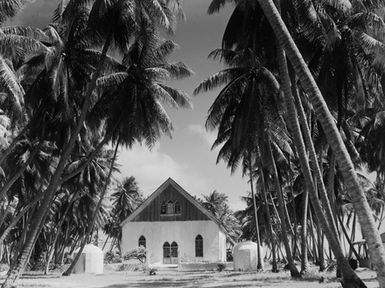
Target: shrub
x,y
4,267
229,255
221,267
138,253
112,257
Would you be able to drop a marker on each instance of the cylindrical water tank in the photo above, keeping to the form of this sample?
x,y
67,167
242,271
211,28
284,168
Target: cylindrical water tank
x,y
245,256
90,261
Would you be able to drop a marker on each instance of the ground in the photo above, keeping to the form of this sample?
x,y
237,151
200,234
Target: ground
x,y
163,279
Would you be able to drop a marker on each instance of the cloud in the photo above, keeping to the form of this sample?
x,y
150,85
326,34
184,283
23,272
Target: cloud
x,y
152,168
208,136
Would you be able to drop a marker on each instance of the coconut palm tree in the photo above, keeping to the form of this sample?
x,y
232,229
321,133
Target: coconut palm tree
x,y
217,204
126,198
118,19
250,87
334,138
134,111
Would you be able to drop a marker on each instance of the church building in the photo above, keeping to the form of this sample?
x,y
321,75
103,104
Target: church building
x,y
174,227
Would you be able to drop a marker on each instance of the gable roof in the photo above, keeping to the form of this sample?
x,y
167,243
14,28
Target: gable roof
x,y
180,190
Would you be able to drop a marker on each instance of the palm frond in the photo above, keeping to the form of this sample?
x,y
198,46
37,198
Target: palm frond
x,y
112,80
26,31
177,70
217,5
220,78
15,46
181,98
9,8
11,86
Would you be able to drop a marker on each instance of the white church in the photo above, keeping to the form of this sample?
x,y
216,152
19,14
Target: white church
x,y
174,227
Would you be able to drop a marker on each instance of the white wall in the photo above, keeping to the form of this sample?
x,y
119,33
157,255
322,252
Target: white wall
x,y
182,232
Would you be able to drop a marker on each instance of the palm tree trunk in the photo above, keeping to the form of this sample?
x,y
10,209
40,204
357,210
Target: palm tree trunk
x,y
58,226
351,247
349,276
372,236
295,218
304,256
267,212
313,157
313,240
321,253
40,216
94,215
259,263
293,269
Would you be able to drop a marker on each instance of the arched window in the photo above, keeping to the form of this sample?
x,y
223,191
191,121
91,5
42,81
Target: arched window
x,y
163,208
177,208
166,250
170,207
199,246
142,242
174,249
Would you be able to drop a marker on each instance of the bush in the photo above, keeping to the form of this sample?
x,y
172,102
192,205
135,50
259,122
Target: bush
x,y
4,267
221,267
111,257
229,255
138,253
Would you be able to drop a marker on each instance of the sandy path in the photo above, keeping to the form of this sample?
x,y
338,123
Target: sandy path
x,y
179,279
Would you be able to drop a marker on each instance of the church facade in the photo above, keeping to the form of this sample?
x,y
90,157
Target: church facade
x,y
174,227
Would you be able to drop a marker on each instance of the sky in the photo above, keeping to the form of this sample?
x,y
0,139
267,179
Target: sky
x,y
187,157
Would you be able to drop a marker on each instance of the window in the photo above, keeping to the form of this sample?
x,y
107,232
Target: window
x,y
142,242
170,207
174,249
163,208
199,246
177,208
166,250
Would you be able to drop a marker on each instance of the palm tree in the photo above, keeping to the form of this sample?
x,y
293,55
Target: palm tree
x,y
250,87
118,19
334,138
217,204
125,200
134,109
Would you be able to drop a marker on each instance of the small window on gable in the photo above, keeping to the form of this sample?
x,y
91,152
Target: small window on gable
x,y
177,208
170,207
199,246
142,242
163,208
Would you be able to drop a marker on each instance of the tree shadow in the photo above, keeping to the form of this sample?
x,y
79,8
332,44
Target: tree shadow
x,y
157,284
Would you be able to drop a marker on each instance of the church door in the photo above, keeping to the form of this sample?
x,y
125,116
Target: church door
x,y
174,253
166,253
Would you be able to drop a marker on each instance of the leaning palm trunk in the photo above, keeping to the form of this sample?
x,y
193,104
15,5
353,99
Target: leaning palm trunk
x,y
293,269
360,203
41,214
51,251
90,227
350,279
313,158
259,264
